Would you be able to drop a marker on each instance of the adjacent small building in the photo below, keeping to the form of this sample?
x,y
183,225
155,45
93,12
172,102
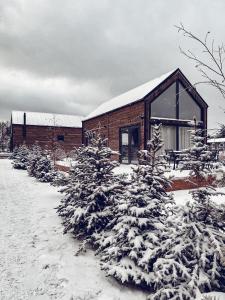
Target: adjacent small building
x,y
127,120
46,129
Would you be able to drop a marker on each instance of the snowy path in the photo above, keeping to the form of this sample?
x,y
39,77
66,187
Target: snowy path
x,y
36,260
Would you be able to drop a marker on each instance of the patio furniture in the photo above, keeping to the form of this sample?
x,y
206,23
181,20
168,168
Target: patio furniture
x,y
175,156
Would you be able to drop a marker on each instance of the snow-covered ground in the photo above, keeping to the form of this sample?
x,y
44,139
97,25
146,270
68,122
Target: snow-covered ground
x,y
36,260
182,196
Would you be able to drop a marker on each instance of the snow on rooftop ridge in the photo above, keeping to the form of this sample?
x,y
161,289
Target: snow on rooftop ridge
x,y
46,119
129,96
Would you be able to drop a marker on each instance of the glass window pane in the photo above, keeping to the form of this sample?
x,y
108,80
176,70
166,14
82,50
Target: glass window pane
x,y
130,144
124,146
184,137
188,108
134,147
164,106
169,137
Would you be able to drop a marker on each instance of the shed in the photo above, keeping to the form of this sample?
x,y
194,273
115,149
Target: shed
x,y
46,128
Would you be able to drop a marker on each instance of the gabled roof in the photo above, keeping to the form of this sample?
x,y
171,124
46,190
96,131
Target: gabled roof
x,y
46,119
140,92
128,97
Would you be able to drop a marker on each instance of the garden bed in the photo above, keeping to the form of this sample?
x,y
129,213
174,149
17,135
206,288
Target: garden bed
x,y
179,180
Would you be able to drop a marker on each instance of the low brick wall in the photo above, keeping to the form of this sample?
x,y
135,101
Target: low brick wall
x,y
62,168
190,183
177,183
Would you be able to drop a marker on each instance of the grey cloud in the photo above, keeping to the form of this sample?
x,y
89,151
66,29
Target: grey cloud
x,y
104,47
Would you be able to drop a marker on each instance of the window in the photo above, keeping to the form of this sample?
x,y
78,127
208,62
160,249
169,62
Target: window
x,y
184,137
129,144
168,134
60,138
188,108
134,144
164,106
124,146
175,111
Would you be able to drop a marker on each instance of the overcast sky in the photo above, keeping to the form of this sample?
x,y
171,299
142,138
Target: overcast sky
x,y
69,56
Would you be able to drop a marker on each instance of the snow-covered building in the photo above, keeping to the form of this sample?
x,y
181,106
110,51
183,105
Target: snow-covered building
x,y
46,129
217,143
127,119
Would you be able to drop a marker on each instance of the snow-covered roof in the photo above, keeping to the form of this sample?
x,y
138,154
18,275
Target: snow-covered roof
x,y
46,119
216,140
128,97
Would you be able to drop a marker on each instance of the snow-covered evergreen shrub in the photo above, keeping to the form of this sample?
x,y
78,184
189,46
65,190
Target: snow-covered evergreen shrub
x,y
44,169
89,195
128,250
192,256
60,179
34,157
20,160
14,153
198,159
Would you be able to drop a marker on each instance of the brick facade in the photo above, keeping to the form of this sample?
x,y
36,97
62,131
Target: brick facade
x,y
46,136
111,122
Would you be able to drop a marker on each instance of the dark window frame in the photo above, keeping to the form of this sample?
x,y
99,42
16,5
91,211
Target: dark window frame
x,y
60,138
173,122
165,99
129,128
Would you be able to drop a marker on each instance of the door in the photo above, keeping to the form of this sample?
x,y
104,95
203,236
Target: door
x,y
129,144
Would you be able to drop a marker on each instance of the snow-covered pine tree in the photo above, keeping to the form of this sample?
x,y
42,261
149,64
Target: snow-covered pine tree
x,y
34,157
128,250
192,255
60,179
44,169
89,195
198,159
14,153
20,160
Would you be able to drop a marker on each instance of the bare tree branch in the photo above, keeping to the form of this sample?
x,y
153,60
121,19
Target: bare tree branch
x,y
211,66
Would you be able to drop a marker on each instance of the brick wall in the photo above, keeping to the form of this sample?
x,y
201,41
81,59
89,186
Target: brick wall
x,y
111,122
45,135
191,183
186,183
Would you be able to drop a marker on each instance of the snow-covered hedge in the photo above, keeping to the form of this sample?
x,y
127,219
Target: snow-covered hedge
x,y
36,161
20,157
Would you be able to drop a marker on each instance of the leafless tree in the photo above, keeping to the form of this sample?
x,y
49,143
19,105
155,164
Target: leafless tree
x,y
56,150
210,61
4,135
